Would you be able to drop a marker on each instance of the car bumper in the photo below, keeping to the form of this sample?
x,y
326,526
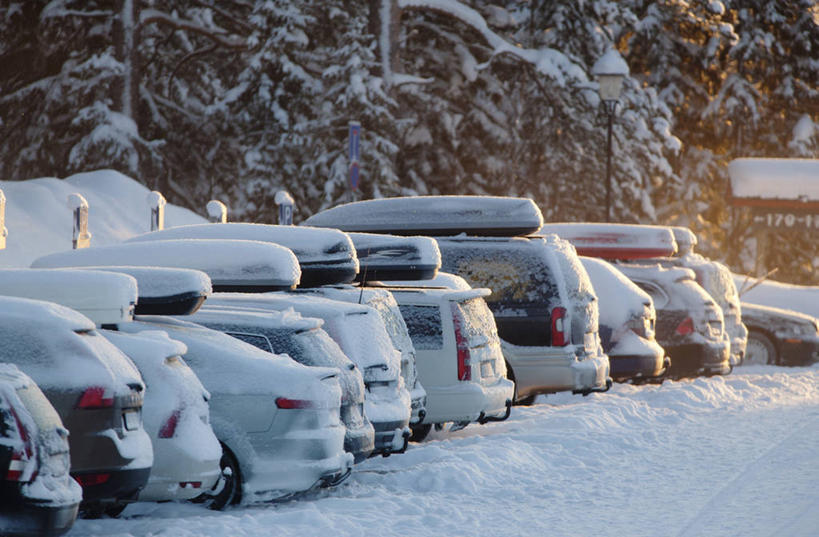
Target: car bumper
x,y
32,519
799,350
119,486
650,363
179,475
418,395
468,401
360,441
708,358
555,369
391,437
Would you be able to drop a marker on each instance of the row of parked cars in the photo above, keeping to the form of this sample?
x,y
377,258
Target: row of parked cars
x,y
228,363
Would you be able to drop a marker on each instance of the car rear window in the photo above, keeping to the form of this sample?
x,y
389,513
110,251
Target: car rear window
x,y
477,322
424,326
40,409
516,270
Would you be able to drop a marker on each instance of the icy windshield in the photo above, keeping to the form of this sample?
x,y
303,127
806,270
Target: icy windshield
x,y
477,323
394,323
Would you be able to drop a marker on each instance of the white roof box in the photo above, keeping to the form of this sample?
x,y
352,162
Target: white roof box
x,y
326,256
231,265
615,241
435,215
103,297
166,291
387,257
685,238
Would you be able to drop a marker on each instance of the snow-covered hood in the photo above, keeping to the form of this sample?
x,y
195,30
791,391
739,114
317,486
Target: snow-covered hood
x,y
326,256
778,320
435,215
228,263
103,297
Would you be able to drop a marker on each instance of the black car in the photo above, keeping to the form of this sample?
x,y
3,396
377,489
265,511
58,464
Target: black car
x,y
778,336
37,496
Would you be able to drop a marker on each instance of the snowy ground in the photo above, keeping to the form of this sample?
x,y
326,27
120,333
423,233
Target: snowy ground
x,y
707,457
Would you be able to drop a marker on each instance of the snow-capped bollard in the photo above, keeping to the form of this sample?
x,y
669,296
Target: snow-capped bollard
x,y
217,211
157,203
285,202
3,231
81,238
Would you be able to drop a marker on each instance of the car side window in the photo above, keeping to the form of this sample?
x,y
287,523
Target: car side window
x,y
657,295
424,326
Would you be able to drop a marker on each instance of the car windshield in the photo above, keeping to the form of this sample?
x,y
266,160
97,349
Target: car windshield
x,y
394,323
477,323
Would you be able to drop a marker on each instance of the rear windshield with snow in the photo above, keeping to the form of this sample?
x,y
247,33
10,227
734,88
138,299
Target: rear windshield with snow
x,y
40,409
516,270
394,323
424,326
477,323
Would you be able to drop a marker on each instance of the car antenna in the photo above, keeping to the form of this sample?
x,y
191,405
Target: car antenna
x,y
758,281
363,281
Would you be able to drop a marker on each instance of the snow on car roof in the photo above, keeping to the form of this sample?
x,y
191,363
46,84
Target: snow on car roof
x,y
325,255
226,365
685,239
42,312
615,241
388,257
39,220
150,343
287,318
11,375
656,273
775,178
444,280
759,309
104,297
229,264
435,215
620,299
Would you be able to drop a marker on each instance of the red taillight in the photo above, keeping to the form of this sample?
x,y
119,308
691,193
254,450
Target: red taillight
x,y
20,457
96,397
284,402
191,484
90,480
559,335
169,428
462,346
686,327
17,466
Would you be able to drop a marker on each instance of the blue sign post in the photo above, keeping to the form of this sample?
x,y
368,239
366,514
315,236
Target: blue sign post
x,y
354,153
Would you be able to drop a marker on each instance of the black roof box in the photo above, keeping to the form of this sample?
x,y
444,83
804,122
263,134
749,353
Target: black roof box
x,y
390,258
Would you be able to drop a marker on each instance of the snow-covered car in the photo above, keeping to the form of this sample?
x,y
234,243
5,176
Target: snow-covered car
x,y
541,298
458,355
303,340
361,334
232,265
278,421
383,302
175,414
689,322
37,495
780,336
767,292
627,322
96,390
326,256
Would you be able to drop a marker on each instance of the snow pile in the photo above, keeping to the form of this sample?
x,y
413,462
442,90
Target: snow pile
x,y
39,220
732,455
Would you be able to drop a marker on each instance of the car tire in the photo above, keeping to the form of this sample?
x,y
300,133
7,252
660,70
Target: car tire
x,y
231,492
420,432
760,350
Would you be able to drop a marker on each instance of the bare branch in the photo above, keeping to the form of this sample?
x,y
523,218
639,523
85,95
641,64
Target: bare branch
x,y
217,35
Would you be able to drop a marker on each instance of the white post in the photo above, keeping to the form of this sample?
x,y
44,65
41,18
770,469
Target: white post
x,y
217,211
81,238
3,231
157,203
285,202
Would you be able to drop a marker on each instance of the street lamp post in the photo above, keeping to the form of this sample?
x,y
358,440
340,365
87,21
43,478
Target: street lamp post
x,y
610,70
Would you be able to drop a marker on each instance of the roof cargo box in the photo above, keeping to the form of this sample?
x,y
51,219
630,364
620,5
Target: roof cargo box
x,y
326,256
615,241
435,215
166,291
248,266
387,257
103,297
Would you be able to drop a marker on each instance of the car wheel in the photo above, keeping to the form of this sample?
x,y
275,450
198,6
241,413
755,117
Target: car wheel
x,y
760,349
231,490
96,510
420,432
